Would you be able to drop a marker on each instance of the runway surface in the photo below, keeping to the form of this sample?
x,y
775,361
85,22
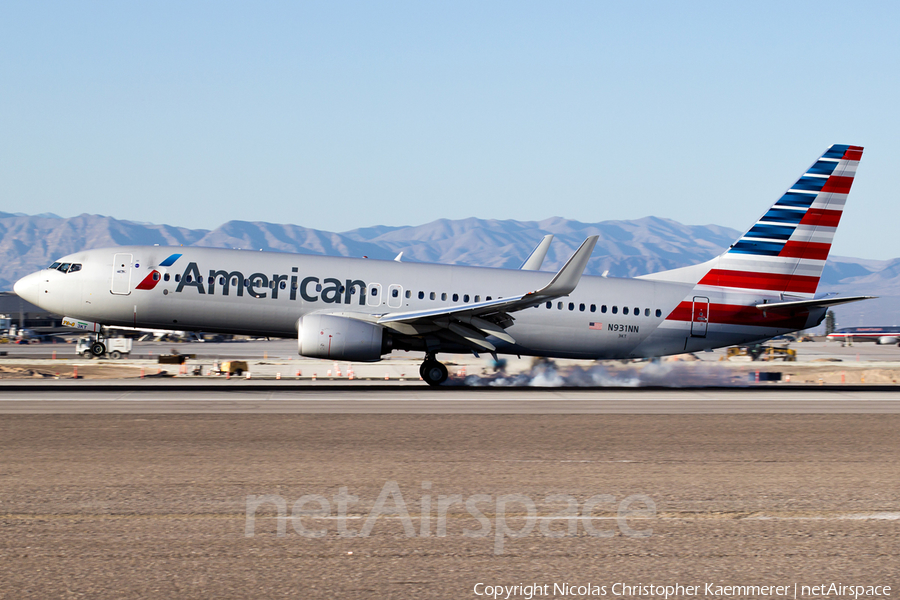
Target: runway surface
x,y
156,505
255,397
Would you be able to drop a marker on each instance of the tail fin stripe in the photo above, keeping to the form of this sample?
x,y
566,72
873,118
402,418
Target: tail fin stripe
x,y
838,151
812,184
797,200
802,284
823,217
775,232
822,167
806,250
783,215
838,185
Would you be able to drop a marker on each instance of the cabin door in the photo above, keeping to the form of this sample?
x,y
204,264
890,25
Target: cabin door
x,y
121,275
699,316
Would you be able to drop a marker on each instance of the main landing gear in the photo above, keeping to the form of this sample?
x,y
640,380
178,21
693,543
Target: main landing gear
x,y
433,372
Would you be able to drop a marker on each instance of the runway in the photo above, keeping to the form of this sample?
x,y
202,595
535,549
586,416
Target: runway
x,y
253,397
156,505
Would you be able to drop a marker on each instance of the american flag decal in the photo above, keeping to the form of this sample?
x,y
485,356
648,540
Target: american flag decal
x,y
598,326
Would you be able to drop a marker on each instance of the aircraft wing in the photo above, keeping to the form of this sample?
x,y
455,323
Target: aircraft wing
x,y
815,303
472,322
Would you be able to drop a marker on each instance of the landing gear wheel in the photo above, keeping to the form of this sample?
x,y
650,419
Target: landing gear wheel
x,y
433,372
98,349
115,355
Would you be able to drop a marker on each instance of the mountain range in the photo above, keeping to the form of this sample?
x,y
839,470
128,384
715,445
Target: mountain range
x,y
625,248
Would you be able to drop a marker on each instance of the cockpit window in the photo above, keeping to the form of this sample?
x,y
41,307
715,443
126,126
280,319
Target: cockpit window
x,y
65,267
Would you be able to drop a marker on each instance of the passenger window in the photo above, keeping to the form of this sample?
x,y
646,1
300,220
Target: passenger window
x,y
549,305
177,278
603,308
559,305
624,310
233,280
456,297
646,312
488,299
294,285
283,285
395,293
189,278
477,298
166,277
431,296
211,279
155,276
637,311
408,293
615,309
319,288
444,296
581,307
421,295
593,308
465,297
342,290
571,306
373,291
658,313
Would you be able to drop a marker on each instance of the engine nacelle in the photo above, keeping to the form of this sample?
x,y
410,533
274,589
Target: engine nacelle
x,y
341,338
888,339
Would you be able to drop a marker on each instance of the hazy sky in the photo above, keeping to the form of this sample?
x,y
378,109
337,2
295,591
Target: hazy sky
x,y
337,115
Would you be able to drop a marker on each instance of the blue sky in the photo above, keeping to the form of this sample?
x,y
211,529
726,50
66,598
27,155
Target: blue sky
x,y
341,115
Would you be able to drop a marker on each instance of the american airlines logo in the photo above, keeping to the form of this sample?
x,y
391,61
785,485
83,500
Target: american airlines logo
x,y
260,285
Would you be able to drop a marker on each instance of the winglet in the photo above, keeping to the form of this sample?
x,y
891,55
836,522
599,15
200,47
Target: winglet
x,y
568,277
536,258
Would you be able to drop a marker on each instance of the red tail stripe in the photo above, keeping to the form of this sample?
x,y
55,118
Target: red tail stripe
x,y
738,314
838,185
823,217
810,250
761,281
853,154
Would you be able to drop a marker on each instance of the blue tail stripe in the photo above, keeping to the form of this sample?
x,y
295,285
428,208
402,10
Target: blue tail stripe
x,y
778,232
783,216
798,200
812,184
836,151
822,168
751,247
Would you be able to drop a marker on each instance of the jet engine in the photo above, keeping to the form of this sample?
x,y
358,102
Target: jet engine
x,y
888,339
341,338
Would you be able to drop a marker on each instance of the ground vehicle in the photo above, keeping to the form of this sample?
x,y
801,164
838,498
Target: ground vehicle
x,y
760,352
115,348
232,367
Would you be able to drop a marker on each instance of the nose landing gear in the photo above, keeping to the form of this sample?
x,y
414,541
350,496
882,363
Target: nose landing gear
x,y
433,372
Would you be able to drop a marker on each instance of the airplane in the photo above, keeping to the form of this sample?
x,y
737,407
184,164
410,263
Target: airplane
x,y
358,309
879,335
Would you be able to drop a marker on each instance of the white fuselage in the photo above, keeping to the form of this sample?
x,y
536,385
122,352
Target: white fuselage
x,y
265,294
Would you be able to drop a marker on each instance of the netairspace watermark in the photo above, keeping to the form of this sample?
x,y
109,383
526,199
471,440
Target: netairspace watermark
x,y
507,510
679,590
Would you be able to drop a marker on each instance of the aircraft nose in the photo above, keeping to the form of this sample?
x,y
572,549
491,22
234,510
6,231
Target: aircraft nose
x,y
29,288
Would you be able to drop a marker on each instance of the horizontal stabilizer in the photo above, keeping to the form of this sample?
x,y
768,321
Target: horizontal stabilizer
x,y
819,303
